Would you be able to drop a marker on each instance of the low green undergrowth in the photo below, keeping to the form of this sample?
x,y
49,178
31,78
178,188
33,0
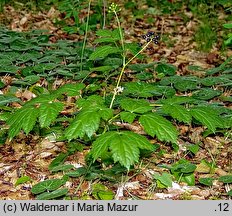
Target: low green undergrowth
x,y
104,99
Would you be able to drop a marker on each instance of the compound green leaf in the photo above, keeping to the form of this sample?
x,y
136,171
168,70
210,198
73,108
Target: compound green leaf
x,y
207,117
53,194
48,113
86,122
127,116
135,105
5,99
166,69
103,51
125,146
177,112
24,118
156,125
71,89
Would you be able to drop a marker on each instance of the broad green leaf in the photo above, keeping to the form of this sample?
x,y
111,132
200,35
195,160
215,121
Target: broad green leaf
x,y
86,122
188,168
165,179
22,180
58,160
104,33
227,25
206,93
166,69
91,101
5,99
24,118
178,100
103,51
188,178
135,105
47,185
8,69
226,179
177,112
206,181
105,113
77,173
140,67
53,194
71,89
207,117
102,68
124,146
101,192
156,125
48,113
127,116
62,167
186,83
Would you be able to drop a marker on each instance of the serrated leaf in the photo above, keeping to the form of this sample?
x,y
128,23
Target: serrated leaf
x,y
5,99
206,181
226,179
207,117
104,33
77,173
103,51
71,89
206,93
127,116
105,113
48,113
124,146
47,185
178,100
91,101
177,112
156,125
86,122
24,118
53,194
62,167
166,69
102,68
135,105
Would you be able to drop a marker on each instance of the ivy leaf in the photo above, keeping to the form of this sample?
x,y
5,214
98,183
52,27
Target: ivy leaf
x,y
177,112
103,51
24,118
47,185
86,122
207,117
53,194
156,125
125,146
135,105
48,113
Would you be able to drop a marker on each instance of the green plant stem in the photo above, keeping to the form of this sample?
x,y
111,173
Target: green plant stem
x,y
85,38
122,71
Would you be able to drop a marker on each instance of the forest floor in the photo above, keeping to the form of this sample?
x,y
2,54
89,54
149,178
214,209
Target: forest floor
x,y
31,155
